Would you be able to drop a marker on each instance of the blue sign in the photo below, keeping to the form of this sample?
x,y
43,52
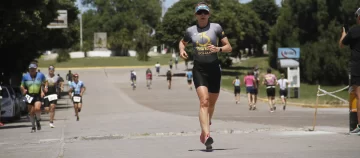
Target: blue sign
x,y
288,53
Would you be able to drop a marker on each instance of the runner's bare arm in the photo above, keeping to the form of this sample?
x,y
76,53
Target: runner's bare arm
x,y
82,91
226,45
70,91
182,45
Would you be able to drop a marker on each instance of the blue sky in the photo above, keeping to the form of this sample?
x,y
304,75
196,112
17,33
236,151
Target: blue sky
x,y
169,3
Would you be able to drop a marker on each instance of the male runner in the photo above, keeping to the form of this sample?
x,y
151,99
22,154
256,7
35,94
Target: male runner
x,y
170,64
168,78
257,80
283,89
133,78
270,83
189,79
69,77
50,100
78,88
157,67
351,38
33,89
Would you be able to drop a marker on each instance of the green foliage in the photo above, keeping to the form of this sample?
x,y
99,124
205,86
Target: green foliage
x,y
121,20
267,10
63,56
315,26
239,22
24,34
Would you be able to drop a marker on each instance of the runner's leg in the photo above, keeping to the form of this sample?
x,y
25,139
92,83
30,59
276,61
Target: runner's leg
x,y
38,114
31,110
203,95
212,101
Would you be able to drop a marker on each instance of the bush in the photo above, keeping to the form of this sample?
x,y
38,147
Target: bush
x,y
63,56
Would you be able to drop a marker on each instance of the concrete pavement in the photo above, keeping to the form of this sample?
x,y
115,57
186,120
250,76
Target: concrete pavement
x,y
117,121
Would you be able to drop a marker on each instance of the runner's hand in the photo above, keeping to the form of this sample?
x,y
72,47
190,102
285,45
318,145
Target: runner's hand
x,y
213,49
42,94
183,54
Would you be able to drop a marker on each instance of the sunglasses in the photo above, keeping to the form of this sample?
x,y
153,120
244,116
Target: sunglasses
x,y
202,12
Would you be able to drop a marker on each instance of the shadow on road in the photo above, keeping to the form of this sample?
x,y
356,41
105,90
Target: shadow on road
x,y
14,126
175,75
219,149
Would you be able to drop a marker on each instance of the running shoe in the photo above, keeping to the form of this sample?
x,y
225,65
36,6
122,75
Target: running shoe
x,y
38,125
52,125
207,141
33,129
356,130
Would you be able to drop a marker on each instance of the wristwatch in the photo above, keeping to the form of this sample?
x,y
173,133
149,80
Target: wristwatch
x,y
220,49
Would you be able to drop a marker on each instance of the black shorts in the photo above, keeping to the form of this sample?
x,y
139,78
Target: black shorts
x,y
270,91
189,81
36,98
168,78
170,66
237,90
78,95
47,103
355,80
208,75
157,70
283,92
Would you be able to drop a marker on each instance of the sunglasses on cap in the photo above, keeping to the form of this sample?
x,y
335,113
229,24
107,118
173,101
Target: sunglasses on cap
x,y
202,12
51,68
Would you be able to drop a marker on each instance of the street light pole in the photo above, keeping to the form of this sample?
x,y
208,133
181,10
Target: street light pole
x,y
81,32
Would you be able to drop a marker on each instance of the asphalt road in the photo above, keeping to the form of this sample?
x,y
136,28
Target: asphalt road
x,y
117,121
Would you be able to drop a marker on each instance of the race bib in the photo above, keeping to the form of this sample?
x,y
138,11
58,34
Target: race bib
x,y
29,98
76,99
52,97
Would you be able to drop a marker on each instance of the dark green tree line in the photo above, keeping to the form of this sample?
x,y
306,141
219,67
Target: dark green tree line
x,y
24,35
122,20
315,27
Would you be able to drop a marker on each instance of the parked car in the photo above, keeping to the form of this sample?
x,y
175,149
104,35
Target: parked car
x,y
21,100
9,108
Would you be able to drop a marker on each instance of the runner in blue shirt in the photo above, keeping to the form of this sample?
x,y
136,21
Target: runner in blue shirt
x,y
76,91
34,87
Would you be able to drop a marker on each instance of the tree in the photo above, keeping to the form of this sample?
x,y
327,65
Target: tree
x,y
267,10
315,26
23,32
239,22
121,20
